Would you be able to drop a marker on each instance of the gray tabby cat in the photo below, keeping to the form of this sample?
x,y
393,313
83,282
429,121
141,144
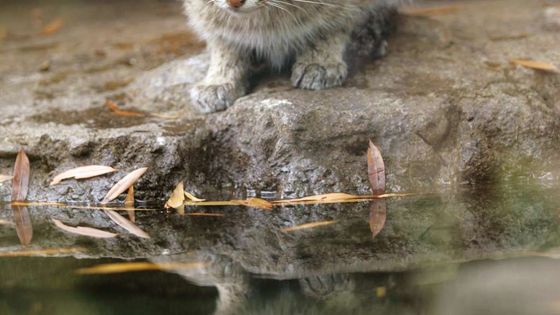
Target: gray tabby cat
x,y
311,35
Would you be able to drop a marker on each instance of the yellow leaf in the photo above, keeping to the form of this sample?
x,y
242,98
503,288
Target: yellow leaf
x,y
138,266
177,197
193,198
325,198
255,203
42,252
536,65
85,231
307,226
82,172
122,185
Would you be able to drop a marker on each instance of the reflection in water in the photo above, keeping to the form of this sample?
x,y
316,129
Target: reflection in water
x,y
418,255
24,227
377,216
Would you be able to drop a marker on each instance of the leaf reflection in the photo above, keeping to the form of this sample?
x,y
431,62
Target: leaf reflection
x,y
377,216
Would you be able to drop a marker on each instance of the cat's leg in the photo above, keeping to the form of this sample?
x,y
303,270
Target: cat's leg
x,y
321,65
226,80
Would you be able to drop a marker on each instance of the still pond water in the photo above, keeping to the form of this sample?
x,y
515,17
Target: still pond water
x,y
484,251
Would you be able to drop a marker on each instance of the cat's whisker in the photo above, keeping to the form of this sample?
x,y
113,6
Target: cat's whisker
x,y
288,4
317,3
278,6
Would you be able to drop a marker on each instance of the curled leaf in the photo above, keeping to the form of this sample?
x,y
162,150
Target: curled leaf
x,y
85,231
82,172
536,65
177,197
123,184
193,198
138,266
376,169
126,224
307,226
20,180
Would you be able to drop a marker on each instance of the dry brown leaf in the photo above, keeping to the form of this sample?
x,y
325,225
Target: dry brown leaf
x,y
177,197
123,184
20,181
325,198
126,224
82,173
85,231
193,198
42,252
24,228
307,226
53,27
377,216
429,11
4,178
536,65
115,109
138,266
376,169
129,203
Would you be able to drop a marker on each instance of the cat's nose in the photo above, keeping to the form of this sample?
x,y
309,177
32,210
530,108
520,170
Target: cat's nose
x,y
236,3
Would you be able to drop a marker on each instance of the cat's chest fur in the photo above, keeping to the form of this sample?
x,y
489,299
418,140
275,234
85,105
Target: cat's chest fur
x,y
272,34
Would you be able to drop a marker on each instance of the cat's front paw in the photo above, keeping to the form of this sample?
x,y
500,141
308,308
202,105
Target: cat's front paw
x,y
215,97
315,76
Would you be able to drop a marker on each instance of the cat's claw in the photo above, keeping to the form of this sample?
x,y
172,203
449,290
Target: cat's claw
x,y
215,98
315,76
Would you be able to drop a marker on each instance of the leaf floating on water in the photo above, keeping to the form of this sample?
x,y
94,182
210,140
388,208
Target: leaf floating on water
x,y
85,231
42,252
122,185
126,224
307,226
129,203
536,65
137,266
4,178
115,109
20,180
24,228
83,172
325,198
177,197
376,169
204,214
255,203
53,27
377,216
193,198
429,11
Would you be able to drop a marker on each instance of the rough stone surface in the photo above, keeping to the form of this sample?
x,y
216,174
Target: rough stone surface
x,y
444,106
